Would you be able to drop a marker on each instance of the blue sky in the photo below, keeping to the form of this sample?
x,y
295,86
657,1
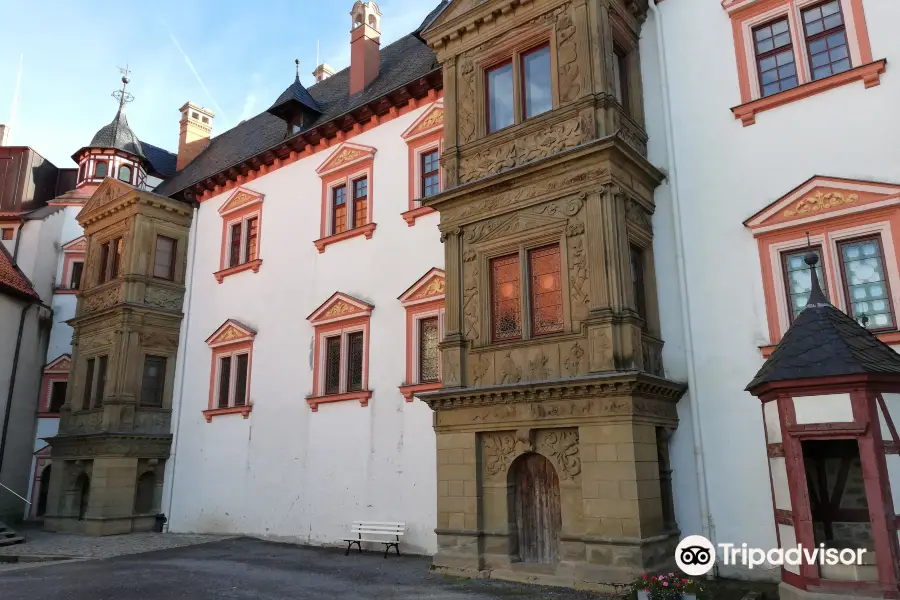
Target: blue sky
x,y
242,51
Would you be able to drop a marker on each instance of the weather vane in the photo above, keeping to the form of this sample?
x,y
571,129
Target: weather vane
x,y
121,95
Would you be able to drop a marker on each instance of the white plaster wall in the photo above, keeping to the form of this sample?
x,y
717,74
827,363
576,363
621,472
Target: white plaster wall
x,y
726,173
61,332
71,229
39,252
286,472
45,428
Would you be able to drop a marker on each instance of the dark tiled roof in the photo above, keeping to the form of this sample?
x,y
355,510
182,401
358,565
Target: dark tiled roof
x,y
296,92
825,342
117,134
162,161
406,60
12,280
432,16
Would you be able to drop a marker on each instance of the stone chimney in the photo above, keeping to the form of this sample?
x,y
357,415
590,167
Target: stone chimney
x,y
3,132
193,138
323,72
365,45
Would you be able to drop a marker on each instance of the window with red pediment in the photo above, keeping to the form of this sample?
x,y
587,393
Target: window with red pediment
x,y
340,351
347,193
230,370
424,139
424,304
241,233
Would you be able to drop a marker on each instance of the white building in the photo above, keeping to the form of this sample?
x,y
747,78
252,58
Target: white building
x,y
773,120
293,407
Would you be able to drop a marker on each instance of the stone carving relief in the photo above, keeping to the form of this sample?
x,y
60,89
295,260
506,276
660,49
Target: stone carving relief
x,y
470,295
578,275
101,300
538,367
83,422
480,367
635,213
466,102
538,217
163,298
523,149
567,52
561,445
509,371
820,201
89,343
602,348
573,360
499,450
155,339
152,422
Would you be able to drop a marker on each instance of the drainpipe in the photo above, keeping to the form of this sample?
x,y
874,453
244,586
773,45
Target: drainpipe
x,y
705,520
12,385
182,360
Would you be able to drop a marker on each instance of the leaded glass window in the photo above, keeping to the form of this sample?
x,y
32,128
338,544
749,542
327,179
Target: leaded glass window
x,y
506,298
333,365
355,361
865,286
546,290
429,355
224,381
797,279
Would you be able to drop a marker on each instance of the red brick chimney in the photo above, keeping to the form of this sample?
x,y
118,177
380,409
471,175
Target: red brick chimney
x,y
365,45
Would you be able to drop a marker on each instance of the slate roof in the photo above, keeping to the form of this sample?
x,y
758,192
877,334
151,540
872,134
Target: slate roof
x,y
432,16
296,92
12,280
406,60
117,134
826,342
162,161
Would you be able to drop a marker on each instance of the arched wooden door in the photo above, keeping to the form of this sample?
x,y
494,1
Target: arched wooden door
x,y
43,491
537,509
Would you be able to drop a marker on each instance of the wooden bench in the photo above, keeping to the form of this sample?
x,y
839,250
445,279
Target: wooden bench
x,y
375,532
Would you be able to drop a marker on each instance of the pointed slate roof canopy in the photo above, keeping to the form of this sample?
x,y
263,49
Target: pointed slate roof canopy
x,y
294,100
117,134
823,341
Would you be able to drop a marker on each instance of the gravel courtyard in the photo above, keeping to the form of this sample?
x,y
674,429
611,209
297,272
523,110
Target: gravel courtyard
x,y
247,568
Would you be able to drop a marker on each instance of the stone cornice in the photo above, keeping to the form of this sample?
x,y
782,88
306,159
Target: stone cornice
x,y
137,197
607,385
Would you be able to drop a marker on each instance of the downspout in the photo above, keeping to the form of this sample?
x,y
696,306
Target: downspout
x,y
708,528
12,385
182,360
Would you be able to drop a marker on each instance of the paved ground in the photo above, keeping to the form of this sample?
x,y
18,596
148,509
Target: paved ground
x,y
44,543
238,569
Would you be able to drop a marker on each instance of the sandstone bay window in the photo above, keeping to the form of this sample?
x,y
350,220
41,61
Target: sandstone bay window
x,y
518,88
788,50
637,281
347,191
424,304
153,381
542,301
164,258
341,347
230,372
241,233
424,140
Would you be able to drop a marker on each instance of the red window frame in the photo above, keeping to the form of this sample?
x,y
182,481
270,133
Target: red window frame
x,y
487,94
360,201
339,225
759,57
496,334
523,79
536,298
810,39
436,172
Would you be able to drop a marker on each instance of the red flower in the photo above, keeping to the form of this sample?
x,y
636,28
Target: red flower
x,y
645,577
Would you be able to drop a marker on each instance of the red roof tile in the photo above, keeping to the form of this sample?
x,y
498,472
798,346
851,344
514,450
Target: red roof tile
x,y
12,280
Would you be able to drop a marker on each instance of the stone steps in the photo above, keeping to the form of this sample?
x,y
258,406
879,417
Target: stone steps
x,y
8,536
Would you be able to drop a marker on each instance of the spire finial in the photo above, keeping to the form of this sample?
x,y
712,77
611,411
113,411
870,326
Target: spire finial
x,y
122,95
816,296
297,63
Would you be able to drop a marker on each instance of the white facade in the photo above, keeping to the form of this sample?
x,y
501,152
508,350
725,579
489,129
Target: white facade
x,y
723,173
287,472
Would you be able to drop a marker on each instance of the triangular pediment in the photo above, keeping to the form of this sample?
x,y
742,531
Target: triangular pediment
x,y
241,198
732,6
344,155
338,307
106,192
521,221
61,364
456,9
79,244
821,198
428,122
231,332
429,287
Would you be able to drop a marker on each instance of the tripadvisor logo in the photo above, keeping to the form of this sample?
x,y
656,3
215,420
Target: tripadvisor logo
x,y
696,556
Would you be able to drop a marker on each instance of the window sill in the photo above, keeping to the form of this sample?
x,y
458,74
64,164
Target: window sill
x,y
231,410
65,291
410,216
870,74
363,398
48,415
366,230
253,265
888,337
409,391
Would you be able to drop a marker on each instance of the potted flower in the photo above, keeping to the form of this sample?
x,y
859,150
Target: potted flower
x,y
666,587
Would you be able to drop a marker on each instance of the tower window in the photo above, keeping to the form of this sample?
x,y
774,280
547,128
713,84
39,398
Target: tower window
x,y
125,173
101,169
